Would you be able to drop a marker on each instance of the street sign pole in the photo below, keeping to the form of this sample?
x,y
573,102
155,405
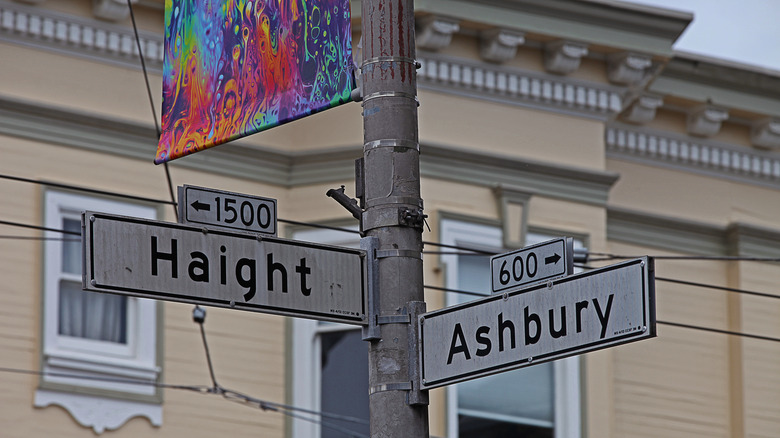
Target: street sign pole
x,y
393,213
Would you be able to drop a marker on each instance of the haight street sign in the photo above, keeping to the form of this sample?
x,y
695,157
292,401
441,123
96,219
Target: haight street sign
x,y
568,316
174,262
200,205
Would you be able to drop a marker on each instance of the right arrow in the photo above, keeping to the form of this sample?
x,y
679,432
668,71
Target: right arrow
x,y
553,259
198,206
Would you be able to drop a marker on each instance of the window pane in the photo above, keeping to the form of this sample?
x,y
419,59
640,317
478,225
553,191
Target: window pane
x,y
71,247
344,381
90,315
523,397
472,427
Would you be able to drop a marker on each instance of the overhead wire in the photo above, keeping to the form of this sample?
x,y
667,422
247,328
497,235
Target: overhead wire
x,y
265,405
690,326
86,189
199,317
62,239
602,257
714,330
713,286
151,104
663,279
459,250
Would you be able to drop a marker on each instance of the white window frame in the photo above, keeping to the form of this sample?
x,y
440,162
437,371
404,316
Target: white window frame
x,y
307,348
566,372
100,404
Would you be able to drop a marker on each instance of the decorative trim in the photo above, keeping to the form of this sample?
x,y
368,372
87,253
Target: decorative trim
x,y
518,87
606,23
703,156
93,39
292,169
104,42
720,82
627,68
705,120
643,109
663,232
753,241
514,228
113,10
490,170
434,32
563,57
765,133
691,237
100,414
499,45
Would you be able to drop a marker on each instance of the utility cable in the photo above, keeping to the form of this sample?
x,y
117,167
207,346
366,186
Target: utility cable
x,y
455,291
312,225
723,288
85,189
747,335
151,104
199,316
607,257
36,227
463,292
262,404
725,332
468,251
62,239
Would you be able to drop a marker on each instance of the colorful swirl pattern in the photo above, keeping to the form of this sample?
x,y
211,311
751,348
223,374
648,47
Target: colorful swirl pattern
x,y
236,67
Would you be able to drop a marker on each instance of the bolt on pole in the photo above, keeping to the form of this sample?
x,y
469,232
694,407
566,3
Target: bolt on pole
x,y
393,213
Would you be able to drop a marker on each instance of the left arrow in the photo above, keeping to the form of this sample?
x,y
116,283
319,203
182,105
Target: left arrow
x,y
198,206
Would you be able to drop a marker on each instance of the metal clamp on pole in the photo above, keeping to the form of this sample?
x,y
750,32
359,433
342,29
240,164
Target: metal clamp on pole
x,y
397,386
391,143
393,319
411,218
410,315
381,59
416,395
372,332
384,253
386,94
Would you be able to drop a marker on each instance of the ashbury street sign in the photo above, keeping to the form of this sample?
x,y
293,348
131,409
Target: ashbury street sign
x,y
174,262
564,317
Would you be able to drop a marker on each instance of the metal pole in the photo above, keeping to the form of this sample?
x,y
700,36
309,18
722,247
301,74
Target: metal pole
x,y
393,213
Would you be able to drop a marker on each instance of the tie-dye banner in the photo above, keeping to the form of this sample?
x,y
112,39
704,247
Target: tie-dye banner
x,y
236,67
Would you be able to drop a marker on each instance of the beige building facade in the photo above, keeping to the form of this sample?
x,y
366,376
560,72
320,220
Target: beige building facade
x,y
537,119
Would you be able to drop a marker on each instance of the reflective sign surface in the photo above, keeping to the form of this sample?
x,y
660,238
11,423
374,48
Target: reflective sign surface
x,y
571,315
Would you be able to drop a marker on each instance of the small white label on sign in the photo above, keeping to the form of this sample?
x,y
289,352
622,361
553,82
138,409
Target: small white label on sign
x,y
531,264
199,205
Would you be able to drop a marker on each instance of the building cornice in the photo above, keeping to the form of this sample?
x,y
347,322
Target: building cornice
x,y
519,87
96,40
608,23
493,170
296,168
722,83
655,231
691,237
692,154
